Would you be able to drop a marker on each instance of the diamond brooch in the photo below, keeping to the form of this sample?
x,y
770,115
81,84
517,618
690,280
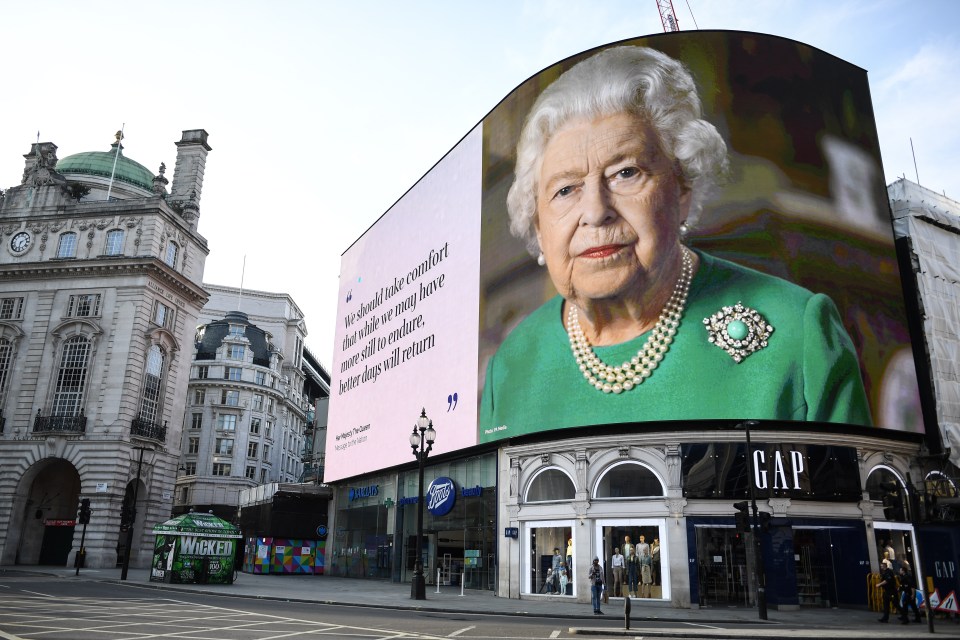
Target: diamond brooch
x,y
738,330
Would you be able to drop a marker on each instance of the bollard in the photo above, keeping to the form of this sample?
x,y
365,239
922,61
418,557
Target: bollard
x,y
626,612
462,576
438,580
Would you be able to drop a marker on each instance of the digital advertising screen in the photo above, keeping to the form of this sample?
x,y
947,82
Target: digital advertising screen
x,y
684,227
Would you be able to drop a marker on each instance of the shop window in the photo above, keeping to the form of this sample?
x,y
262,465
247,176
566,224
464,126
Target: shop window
x,y
550,570
550,484
628,480
642,558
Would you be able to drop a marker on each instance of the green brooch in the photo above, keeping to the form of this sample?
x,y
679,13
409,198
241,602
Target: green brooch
x,y
738,330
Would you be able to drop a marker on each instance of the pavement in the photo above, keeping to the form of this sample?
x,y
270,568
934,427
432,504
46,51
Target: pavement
x,y
697,622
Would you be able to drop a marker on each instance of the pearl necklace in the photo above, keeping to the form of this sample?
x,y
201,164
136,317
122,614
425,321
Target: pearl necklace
x,y
631,374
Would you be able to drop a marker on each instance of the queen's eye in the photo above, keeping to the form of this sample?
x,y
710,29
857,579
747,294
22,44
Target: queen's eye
x,y
563,192
627,172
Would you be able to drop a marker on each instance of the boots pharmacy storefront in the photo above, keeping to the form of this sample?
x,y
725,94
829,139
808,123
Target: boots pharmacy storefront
x,y
375,528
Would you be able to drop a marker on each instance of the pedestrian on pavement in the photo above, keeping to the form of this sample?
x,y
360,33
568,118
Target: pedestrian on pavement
x,y
617,564
595,578
908,596
888,582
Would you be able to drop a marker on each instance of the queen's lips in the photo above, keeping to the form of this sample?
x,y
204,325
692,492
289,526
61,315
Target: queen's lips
x,y
602,251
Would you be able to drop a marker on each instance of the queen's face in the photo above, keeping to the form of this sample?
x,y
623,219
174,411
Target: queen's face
x,y
609,206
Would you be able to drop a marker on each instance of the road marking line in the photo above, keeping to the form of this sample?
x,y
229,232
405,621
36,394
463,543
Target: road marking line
x,y
459,631
707,626
555,633
9,636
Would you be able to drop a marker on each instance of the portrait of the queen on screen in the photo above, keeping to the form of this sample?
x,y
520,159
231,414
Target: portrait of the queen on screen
x,y
614,165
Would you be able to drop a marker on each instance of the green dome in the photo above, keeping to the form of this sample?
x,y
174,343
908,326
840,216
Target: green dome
x,y
100,163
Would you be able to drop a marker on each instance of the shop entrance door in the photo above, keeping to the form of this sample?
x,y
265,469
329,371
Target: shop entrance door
x,y
831,566
56,545
722,567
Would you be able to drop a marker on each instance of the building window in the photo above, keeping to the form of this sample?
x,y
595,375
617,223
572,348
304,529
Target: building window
x,y
203,372
114,242
270,405
252,449
260,377
84,306
263,479
237,331
150,402
232,373
224,447
257,402
255,426
236,351
71,377
171,255
193,445
266,452
162,315
197,421
230,398
628,480
251,473
269,430
199,396
550,484
227,422
68,245
190,469
11,308
221,469
6,348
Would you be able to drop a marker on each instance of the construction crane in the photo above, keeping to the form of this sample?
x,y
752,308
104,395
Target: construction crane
x,y
667,15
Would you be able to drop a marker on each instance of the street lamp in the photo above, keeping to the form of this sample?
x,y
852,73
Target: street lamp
x,y
133,517
421,441
761,575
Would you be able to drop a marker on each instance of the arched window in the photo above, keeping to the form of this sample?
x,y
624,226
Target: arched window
x,y
72,377
152,377
628,480
114,242
6,351
68,245
171,255
549,485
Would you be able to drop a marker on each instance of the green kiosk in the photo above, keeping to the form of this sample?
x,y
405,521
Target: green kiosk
x,y
195,548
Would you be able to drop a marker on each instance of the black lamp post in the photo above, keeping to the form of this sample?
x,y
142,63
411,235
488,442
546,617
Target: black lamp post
x,y
133,518
421,441
761,574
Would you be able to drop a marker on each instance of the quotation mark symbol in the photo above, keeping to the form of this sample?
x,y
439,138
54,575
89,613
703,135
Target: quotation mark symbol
x,y
452,401
349,295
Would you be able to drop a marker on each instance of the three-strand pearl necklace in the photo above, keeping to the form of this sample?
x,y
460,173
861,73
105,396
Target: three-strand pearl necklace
x,y
631,374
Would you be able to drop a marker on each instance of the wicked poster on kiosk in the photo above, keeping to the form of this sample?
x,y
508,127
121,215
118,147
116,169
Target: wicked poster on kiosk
x,y
194,548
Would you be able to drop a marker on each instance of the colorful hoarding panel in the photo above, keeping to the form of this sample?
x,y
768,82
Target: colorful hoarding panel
x,y
689,226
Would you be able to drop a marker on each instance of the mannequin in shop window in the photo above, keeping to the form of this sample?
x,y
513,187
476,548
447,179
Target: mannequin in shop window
x,y
570,557
633,571
655,554
617,563
646,568
627,546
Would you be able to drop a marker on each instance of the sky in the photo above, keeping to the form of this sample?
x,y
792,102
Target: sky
x,y
322,114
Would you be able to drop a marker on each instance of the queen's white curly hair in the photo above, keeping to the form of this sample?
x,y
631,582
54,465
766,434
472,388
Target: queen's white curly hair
x,y
627,79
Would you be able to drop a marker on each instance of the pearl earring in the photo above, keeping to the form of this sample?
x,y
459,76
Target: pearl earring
x,y
684,230
541,260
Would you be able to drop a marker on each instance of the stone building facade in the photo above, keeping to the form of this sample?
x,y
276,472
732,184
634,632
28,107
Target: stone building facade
x,y
100,290
251,402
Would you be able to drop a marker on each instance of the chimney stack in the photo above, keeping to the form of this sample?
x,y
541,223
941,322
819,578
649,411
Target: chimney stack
x,y
188,172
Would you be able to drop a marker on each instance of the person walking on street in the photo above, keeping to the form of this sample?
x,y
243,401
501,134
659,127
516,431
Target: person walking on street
x,y
888,582
595,578
908,594
617,564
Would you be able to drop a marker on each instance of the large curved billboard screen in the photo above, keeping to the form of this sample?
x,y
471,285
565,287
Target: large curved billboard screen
x,y
683,227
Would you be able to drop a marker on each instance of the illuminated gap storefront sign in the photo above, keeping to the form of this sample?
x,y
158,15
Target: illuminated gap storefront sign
x,y
441,496
356,493
782,470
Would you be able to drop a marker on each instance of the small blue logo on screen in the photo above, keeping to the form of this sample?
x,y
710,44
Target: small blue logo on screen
x,y
441,496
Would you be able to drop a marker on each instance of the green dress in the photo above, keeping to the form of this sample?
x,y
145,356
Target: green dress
x,y
808,370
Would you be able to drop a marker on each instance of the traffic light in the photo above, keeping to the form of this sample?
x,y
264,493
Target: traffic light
x,y
765,521
742,516
892,501
84,517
